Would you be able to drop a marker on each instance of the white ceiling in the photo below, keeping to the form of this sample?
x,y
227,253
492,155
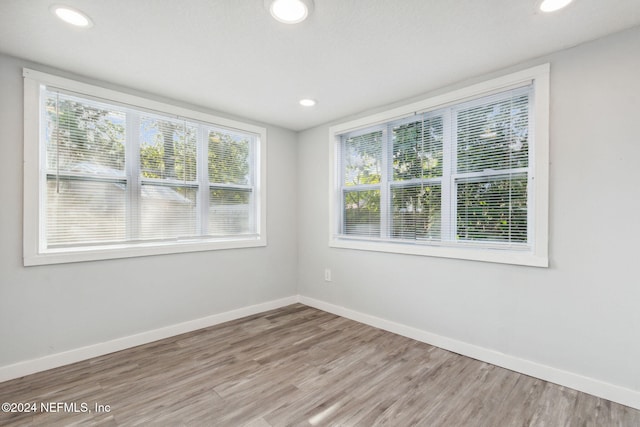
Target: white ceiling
x,y
350,55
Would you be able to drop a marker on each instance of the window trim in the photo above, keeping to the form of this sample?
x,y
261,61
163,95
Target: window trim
x,y
33,227
538,214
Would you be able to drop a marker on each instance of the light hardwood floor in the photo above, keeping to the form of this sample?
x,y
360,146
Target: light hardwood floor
x,y
298,366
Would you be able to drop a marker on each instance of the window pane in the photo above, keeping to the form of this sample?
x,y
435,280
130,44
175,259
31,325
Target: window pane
x,y
362,213
229,158
416,212
82,212
362,161
167,149
83,136
230,212
494,209
167,212
494,135
417,149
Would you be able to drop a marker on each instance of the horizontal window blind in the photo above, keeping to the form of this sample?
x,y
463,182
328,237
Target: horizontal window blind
x,y
118,175
452,176
362,174
416,178
492,168
231,197
86,184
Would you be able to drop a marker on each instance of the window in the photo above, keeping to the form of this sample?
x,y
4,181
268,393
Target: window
x,y
462,175
110,175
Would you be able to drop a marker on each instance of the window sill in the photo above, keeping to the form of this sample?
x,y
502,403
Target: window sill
x,y
95,253
502,256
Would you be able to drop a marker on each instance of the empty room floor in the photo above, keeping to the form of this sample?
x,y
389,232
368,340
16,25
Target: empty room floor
x,y
298,366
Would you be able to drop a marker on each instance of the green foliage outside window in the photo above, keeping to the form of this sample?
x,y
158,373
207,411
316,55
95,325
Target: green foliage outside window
x,y
493,210
417,150
81,136
168,150
493,137
228,158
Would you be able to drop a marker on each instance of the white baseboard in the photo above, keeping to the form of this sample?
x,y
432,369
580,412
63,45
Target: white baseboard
x,y
578,382
27,367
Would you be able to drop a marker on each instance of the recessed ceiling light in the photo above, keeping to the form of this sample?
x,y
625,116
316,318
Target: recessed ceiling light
x,y
307,102
553,5
72,16
289,11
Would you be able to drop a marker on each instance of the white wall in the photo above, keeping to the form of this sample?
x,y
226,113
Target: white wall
x,y
50,309
581,316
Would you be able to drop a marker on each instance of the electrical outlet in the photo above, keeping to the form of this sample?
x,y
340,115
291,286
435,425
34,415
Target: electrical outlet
x,y
327,274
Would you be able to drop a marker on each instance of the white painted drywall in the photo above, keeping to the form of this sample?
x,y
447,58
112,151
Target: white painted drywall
x,y
581,315
50,309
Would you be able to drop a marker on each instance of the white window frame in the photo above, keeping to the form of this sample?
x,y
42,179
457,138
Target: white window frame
x,y
537,254
33,227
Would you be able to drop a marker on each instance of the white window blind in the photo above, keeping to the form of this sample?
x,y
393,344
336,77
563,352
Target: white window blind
x,y
454,175
362,174
459,176
231,198
416,178
168,179
86,182
117,179
491,172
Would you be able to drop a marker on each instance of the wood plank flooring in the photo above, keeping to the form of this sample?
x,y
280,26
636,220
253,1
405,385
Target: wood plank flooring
x,y
298,366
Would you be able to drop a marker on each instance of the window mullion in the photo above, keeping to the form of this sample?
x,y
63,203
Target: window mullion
x,y
385,191
132,166
340,205
252,173
203,179
42,173
531,168
447,203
